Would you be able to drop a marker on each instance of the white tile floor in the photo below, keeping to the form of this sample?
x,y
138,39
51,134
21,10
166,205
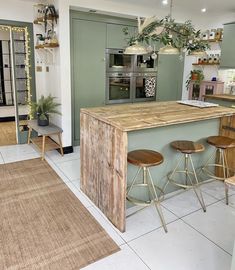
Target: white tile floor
x,y
195,241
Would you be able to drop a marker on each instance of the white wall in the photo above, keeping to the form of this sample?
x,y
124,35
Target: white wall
x,y
16,10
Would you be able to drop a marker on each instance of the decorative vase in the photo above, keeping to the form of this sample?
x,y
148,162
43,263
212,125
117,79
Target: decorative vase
x,y
44,122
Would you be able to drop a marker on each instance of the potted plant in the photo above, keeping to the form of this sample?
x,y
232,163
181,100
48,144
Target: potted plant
x,y
196,76
43,108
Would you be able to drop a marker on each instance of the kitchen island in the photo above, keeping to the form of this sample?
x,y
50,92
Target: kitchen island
x,y
108,133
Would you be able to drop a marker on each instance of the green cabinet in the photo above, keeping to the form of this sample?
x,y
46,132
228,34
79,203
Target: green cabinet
x,y
169,77
228,47
88,68
115,36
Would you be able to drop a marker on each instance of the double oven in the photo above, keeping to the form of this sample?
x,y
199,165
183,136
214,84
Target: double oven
x,y
129,78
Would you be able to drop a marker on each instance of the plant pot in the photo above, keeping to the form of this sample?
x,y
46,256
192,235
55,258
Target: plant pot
x,y
194,77
44,122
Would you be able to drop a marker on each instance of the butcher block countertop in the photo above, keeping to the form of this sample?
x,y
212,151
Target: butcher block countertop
x,y
130,117
221,97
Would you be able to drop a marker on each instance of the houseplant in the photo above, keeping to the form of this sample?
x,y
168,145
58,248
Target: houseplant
x,y
196,76
43,108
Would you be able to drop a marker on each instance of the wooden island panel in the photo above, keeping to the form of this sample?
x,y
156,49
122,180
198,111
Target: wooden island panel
x,y
227,128
103,168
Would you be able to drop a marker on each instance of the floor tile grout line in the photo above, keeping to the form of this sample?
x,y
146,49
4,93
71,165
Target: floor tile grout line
x,y
212,195
139,256
190,212
206,237
59,170
155,229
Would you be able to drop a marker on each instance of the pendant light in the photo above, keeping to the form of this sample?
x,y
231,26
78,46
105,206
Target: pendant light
x,y
135,49
169,49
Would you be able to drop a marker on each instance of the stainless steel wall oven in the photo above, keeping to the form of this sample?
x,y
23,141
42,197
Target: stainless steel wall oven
x,y
129,78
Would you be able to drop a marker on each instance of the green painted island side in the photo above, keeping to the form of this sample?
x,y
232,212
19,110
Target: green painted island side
x,y
159,139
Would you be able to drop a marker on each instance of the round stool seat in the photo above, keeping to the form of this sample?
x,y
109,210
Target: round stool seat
x,y
187,147
221,142
144,158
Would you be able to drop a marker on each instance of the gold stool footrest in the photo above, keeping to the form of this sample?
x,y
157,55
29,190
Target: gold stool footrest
x,y
211,174
142,202
185,186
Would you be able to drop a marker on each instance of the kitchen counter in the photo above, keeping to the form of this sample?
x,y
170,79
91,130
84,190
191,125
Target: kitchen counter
x,y
108,133
129,117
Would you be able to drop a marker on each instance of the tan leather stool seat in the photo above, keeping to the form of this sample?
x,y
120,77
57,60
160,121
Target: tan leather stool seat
x,y
221,142
187,147
144,158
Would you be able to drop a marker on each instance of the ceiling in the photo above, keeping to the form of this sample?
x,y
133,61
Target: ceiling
x,y
218,12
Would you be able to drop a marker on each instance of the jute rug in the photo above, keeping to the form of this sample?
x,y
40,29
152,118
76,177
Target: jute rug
x,y
42,224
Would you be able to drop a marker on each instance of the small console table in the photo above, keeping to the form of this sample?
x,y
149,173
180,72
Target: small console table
x,y
45,131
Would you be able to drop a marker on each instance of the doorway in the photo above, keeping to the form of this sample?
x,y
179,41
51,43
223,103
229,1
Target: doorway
x,y
17,81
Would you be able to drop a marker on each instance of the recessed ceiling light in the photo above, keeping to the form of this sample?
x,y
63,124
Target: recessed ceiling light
x,y
164,2
203,10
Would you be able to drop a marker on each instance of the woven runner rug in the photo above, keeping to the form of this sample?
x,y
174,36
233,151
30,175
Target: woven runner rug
x,y
42,224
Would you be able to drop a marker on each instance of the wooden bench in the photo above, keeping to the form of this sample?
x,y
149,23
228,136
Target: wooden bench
x,y
45,131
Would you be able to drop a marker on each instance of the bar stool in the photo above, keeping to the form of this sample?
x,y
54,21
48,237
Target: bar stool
x,y
186,148
221,143
228,182
145,159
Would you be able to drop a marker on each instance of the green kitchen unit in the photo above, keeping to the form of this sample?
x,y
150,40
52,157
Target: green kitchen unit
x,y
90,35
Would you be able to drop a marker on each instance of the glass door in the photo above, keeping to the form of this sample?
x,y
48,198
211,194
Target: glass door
x,y
8,125
117,61
20,64
118,88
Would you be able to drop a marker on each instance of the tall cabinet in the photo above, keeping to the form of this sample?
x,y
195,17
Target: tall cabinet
x,y
228,46
90,35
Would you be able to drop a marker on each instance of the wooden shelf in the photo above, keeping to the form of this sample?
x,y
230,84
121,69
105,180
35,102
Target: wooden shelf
x,y
206,64
41,20
212,40
45,46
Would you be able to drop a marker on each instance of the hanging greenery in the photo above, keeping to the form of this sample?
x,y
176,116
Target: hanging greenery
x,y
166,31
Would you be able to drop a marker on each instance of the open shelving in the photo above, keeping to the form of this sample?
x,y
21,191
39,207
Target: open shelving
x,y
205,64
45,46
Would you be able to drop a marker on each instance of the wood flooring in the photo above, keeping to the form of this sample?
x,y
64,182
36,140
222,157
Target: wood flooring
x,y
7,133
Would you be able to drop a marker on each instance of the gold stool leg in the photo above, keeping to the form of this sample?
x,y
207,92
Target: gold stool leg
x,y
220,162
226,193
196,187
169,177
157,202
